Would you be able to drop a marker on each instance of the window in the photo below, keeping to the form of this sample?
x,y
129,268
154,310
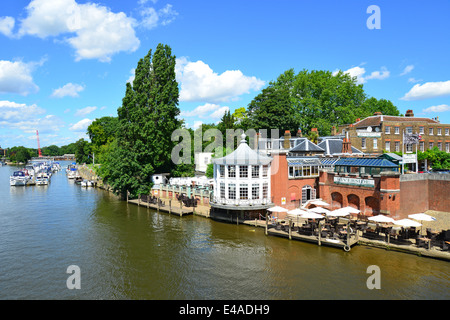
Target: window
x,y
232,191
397,146
255,171
397,130
430,131
363,143
265,170
231,171
291,172
421,130
422,146
440,146
431,145
222,171
265,190
243,192
447,147
387,130
409,130
255,191
222,190
269,145
243,171
409,147
375,143
388,146
439,131
447,131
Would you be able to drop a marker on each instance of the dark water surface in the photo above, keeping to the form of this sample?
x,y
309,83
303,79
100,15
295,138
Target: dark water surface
x,y
130,252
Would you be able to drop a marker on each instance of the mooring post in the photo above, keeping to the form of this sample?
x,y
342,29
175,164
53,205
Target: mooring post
x,y
267,222
320,231
290,229
170,205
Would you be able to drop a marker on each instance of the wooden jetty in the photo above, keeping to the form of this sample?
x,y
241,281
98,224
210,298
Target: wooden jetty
x,y
171,208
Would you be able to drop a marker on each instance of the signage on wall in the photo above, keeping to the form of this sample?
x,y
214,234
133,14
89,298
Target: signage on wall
x,y
283,200
409,158
355,182
365,134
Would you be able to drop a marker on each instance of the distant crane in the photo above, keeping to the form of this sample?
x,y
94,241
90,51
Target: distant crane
x,y
39,145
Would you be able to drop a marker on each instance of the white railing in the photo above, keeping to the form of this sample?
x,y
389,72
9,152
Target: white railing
x,y
241,202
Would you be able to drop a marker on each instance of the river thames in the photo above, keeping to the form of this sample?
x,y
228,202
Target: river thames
x,y
128,252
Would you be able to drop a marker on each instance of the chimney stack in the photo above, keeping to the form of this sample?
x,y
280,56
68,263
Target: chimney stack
x,y
409,113
378,113
299,133
346,145
333,130
287,138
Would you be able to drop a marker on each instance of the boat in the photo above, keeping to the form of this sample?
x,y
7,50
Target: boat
x,y
87,183
78,180
18,178
40,181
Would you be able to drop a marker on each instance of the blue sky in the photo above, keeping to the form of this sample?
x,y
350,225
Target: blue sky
x,y
64,63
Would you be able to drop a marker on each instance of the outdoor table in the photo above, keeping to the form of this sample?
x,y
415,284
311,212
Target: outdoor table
x,y
426,241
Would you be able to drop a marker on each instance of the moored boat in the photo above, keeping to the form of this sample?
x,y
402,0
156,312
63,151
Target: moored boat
x,y
18,178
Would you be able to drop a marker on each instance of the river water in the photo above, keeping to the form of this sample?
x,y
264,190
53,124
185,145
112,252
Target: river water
x,y
129,252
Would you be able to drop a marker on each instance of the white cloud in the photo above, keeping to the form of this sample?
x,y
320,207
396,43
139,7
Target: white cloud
x,y
132,75
407,70
197,124
98,32
7,25
81,125
152,18
16,112
439,108
428,90
208,110
15,77
218,114
85,111
359,73
413,80
380,75
69,89
199,82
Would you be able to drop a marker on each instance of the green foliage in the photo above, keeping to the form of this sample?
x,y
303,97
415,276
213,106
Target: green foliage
x,y
313,99
438,159
21,154
83,151
146,120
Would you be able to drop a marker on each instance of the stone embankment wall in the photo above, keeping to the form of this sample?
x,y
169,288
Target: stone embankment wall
x,y
89,174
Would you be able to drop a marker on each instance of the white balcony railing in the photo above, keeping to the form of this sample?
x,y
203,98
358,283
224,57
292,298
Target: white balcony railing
x,y
241,202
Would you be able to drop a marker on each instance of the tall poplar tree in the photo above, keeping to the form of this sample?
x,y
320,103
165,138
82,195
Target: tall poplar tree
x,y
147,118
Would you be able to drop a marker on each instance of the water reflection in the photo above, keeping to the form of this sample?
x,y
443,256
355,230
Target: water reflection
x,y
130,252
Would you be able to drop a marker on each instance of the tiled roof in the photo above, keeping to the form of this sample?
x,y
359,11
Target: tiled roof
x,y
306,146
377,120
334,146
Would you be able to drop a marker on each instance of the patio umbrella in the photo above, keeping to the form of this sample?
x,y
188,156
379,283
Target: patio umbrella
x,y
277,209
296,212
342,212
319,210
319,202
381,218
311,215
421,217
407,223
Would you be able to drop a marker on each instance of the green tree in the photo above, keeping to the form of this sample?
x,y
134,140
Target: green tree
x,y
272,109
20,154
83,151
147,118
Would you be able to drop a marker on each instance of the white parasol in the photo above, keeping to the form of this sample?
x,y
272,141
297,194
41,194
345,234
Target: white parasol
x,y
407,223
277,209
318,202
319,210
311,215
381,218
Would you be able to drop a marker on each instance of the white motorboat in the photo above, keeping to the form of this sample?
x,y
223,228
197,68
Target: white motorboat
x,y
18,178
42,181
87,183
